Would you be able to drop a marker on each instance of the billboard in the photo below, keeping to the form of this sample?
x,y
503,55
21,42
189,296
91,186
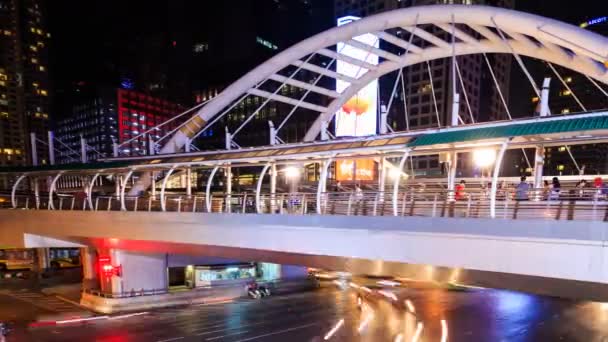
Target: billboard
x,y
359,115
355,170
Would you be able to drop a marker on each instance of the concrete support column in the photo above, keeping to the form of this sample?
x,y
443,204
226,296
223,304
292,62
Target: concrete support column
x,y
88,258
153,175
139,271
43,260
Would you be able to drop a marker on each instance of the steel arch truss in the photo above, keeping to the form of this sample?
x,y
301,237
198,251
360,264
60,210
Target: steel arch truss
x,y
473,29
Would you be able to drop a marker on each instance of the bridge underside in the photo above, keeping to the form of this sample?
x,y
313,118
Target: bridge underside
x,y
563,259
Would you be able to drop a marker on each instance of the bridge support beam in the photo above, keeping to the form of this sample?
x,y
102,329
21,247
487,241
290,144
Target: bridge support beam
x,y
52,189
452,164
123,187
322,184
396,181
539,162
208,189
273,187
89,190
14,191
228,189
163,200
382,178
497,167
258,189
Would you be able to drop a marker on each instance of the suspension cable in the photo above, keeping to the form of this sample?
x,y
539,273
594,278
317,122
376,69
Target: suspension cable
x,y
565,84
293,110
572,157
406,116
517,58
400,76
502,97
428,66
252,115
597,85
464,91
390,101
219,117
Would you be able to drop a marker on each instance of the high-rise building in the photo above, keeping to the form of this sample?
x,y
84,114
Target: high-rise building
x,y
24,81
429,99
578,94
252,32
103,116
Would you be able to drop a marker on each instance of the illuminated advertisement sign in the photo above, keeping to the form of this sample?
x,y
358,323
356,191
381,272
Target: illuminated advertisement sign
x,y
594,21
355,170
358,116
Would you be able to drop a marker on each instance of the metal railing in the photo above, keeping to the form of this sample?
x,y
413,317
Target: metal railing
x,y
565,204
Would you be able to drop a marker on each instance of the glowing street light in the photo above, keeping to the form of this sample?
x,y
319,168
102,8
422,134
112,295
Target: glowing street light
x,y
484,157
291,172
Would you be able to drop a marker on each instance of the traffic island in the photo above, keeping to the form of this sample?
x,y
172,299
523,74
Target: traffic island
x,y
108,303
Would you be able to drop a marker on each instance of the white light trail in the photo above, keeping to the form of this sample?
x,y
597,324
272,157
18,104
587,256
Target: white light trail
x,y
334,329
444,331
418,332
410,306
399,338
388,295
365,322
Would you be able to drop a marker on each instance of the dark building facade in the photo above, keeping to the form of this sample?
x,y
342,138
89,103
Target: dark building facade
x,y
24,80
107,115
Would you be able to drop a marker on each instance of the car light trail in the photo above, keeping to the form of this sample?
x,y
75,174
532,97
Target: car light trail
x,y
388,295
444,331
365,322
366,289
334,329
77,320
410,306
418,332
399,338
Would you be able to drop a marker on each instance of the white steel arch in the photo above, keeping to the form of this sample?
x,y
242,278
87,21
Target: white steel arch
x,y
475,30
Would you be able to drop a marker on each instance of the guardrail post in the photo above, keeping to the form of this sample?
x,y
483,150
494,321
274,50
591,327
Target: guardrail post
x,y
559,210
375,208
282,199
72,206
515,210
434,212
504,215
243,209
412,204
135,204
149,204
468,213
109,203
96,203
403,203
60,203
27,203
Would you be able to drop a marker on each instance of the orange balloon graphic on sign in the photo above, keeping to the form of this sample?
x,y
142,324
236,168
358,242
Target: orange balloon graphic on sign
x,y
357,105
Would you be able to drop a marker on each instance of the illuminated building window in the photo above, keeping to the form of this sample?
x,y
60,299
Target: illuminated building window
x,y
33,48
568,79
48,35
7,33
45,115
560,167
535,99
266,43
3,114
8,151
565,111
2,83
43,92
565,93
41,68
562,149
39,31
425,88
200,47
35,84
37,115
40,44
34,60
33,30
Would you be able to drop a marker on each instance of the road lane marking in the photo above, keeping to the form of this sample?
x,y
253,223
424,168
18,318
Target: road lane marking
x,y
278,332
171,339
236,333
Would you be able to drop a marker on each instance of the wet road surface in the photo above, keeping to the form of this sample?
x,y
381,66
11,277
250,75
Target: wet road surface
x,y
395,314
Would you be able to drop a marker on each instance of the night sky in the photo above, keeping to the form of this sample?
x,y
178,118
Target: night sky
x,y
101,41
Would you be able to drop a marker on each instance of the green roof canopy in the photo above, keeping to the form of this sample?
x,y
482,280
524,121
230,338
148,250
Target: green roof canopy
x,y
70,167
535,128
